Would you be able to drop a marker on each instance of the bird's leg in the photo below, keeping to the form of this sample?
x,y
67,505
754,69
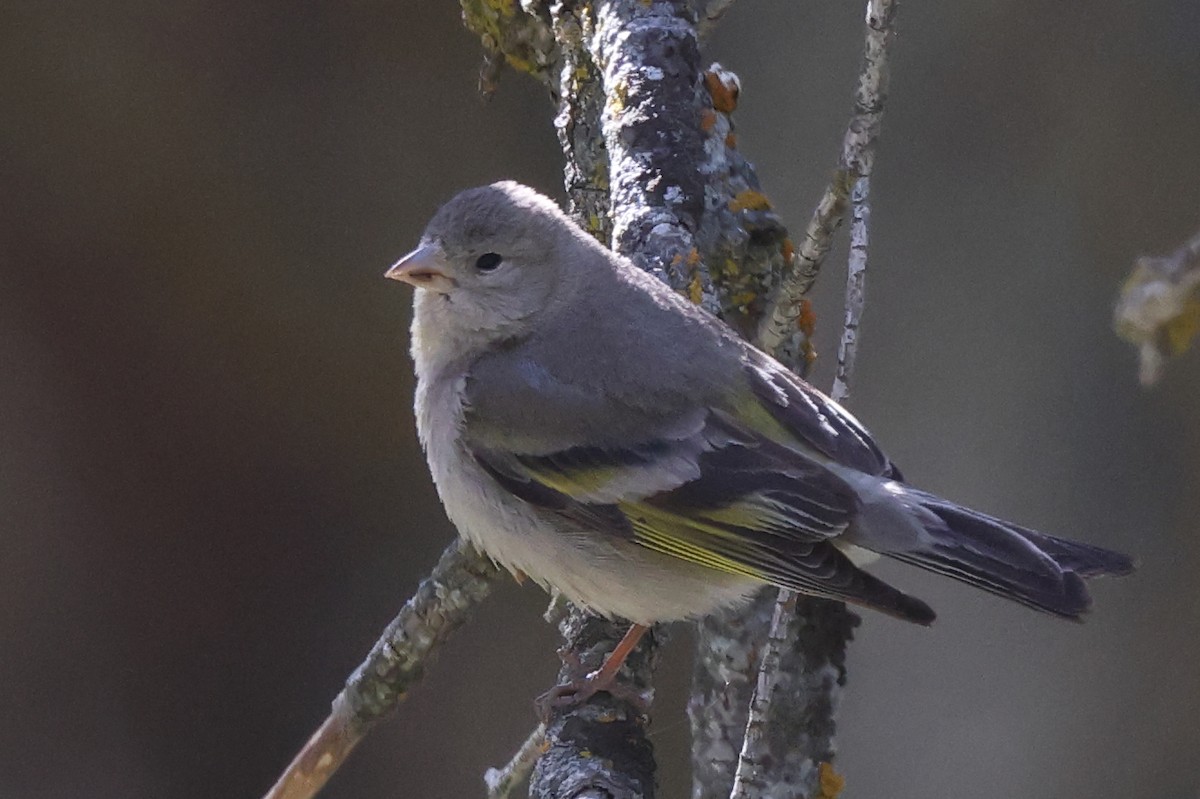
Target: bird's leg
x,y
579,690
602,678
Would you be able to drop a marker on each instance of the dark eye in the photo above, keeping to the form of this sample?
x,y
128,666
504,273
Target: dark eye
x,y
488,262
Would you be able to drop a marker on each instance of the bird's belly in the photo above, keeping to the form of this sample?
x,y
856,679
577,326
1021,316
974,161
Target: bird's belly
x,y
602,572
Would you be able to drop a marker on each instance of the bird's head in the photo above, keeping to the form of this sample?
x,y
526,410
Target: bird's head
x,y
490,261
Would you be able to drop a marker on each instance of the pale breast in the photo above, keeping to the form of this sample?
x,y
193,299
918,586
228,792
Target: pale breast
x,y
609,575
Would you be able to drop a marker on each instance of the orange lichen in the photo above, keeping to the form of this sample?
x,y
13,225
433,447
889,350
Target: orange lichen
x,y
750,200
787,250
830,782
731,141
708,120
806,320
695,288
724,93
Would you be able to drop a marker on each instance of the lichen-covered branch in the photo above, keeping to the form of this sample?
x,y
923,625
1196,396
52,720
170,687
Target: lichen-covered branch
x,y
743,243
580,95
514,33
727,649
625,67
443,602
599,748
649,60
857,157
1159,307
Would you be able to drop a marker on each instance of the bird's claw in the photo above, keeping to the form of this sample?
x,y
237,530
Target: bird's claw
x,y
569,695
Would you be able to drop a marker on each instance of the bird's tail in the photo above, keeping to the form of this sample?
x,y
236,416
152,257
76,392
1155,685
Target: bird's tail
x,y
1038,570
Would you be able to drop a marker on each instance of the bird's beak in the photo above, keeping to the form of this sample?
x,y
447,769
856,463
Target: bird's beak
x,y
423,268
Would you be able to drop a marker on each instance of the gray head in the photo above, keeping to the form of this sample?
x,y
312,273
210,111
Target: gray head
x,y
490,260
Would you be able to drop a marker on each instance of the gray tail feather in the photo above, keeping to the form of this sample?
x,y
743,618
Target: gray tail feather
x,y
1037,570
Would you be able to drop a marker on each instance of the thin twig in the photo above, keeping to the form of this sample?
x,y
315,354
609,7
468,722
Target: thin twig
x,y
501,782
443,602
856,277
748,782
858,154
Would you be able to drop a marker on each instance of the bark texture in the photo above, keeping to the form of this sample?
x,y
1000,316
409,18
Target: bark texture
x,y
599,748
443,603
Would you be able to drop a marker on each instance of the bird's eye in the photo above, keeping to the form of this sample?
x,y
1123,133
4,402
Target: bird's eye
x,y
488,262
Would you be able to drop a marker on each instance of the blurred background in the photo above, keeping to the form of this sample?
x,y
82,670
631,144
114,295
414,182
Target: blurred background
x,y
211,494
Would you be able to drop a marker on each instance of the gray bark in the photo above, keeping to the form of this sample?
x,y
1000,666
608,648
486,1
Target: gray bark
x,y
599,748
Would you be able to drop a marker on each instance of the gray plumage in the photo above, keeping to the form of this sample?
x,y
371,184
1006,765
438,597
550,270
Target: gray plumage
x,y
593,430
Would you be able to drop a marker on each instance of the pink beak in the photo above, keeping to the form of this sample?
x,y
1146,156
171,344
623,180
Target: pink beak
x,y
422,268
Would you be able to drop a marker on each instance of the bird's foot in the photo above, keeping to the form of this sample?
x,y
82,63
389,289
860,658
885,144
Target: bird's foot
x,y
574,693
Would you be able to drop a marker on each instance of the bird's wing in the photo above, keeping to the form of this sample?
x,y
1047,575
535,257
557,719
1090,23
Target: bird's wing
x,y
792,412
714,486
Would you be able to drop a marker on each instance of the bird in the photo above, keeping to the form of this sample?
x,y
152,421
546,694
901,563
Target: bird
x,y
590,428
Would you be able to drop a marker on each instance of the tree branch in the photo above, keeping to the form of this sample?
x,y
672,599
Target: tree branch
x,y
808,770
518,35
501,782
599,748
858,154
628,123
1159,307
443,602
652,162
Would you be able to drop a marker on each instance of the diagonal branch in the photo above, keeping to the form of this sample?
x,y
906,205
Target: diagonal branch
x,y
758,773
857,158
442,603
817,634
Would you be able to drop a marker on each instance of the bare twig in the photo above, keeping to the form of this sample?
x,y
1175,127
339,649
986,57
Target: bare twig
x,y
751,780
748,784
858,153
501,782
442,603
1159,307
856,277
